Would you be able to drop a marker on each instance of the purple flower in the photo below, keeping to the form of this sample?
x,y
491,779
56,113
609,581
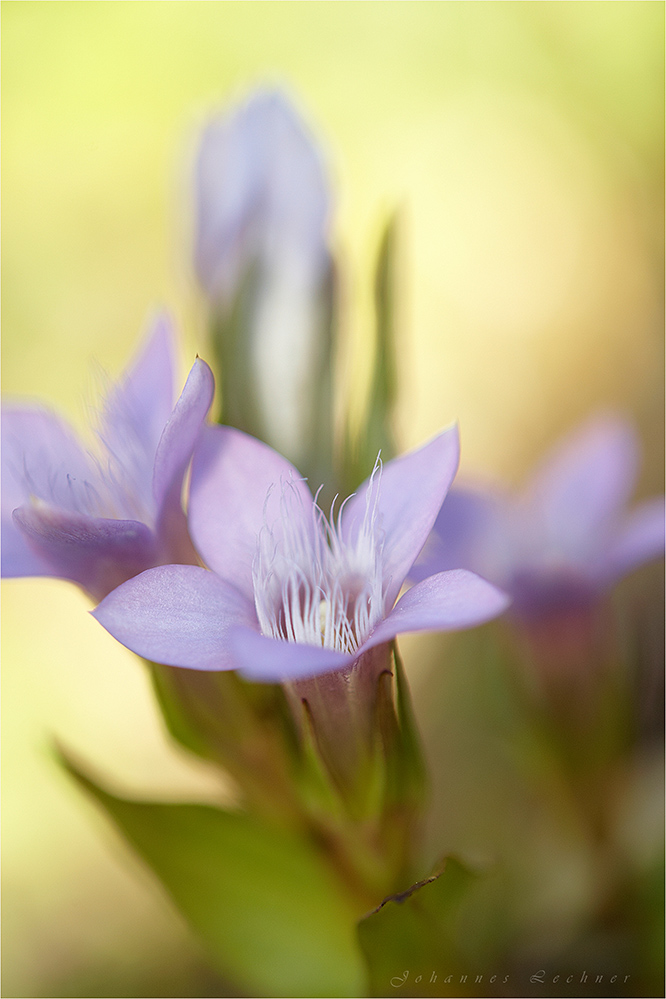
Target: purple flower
x,y
101,519
262,207
558,545
292,594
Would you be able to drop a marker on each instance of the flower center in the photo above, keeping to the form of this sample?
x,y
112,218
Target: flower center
x,y
316,583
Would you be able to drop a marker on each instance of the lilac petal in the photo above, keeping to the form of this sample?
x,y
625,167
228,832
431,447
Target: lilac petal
x,y
18,558
240,486
641,539
583,484
228,193
471,532
261,193
272,660
136,410
176,446
94,552
409,496
150,377
42,458
296,183
179,615
543,592
448,601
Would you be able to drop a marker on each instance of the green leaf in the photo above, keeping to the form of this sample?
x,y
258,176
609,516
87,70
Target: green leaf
x,y
231,339
415,933
261,899
377,431
385,383
317,464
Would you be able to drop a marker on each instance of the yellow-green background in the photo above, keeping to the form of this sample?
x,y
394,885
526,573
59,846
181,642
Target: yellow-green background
x,y
524,143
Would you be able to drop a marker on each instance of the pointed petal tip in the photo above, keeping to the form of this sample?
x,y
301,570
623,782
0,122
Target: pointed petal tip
x,y
640,539
179,436
453,600
409,497
161,324
199,387
582,483
157,343
179,615
204,372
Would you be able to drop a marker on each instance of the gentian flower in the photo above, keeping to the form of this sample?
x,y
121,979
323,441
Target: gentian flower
x,y
100,519
289,593
262,257
561,543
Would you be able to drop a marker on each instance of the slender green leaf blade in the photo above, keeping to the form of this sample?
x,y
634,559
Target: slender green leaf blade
x,y
377,429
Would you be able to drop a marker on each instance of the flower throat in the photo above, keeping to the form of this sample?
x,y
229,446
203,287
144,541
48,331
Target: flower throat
x,y
318,580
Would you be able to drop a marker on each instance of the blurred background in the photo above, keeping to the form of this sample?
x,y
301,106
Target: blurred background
x,y
523,144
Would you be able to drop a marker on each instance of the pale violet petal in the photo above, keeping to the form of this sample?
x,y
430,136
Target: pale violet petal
x,y
582,485
239,487
473,531
544,592
448,601
18,558
261,194
273,660
176,446
42,459
150,378
298,197
179,615
409,492
95,552
640,539
228,182
133,417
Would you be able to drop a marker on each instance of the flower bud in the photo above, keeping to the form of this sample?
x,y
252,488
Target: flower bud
x,y
262,258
